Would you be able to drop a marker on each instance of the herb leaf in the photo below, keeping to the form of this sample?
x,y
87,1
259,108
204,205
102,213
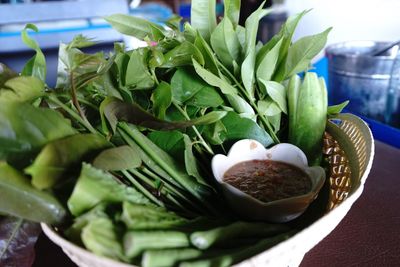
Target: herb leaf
x,y
214,80
136,27
269,62
161,98
22,88
24,201
137,73
232,10
117,159
24,127
302,51
277,92
116,110
60,155
225,43
248,66
336,109
203,18
94,186
36,66
243,128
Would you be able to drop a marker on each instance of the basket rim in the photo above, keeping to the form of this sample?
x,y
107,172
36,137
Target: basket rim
x,y
293,249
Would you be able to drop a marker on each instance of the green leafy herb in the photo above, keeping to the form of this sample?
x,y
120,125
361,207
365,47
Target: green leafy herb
x,y
302,51
60,155
117,110
248,66
225,43
203,18
137,73
22,88
36,66
25,128
95,186
336,109
241,128
268,62
136,27
117,159
232,10
24,201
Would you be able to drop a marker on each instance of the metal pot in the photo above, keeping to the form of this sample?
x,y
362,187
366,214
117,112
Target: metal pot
x,y
371,83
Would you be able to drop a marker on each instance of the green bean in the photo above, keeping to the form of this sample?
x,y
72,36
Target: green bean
x,y
237,255
206,239
135,242
168,257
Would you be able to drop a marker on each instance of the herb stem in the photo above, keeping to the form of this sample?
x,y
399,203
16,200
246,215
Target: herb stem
x,y
201,139
190,185
74,98
140,187
251,101
166,185
154,76
167,192
73,114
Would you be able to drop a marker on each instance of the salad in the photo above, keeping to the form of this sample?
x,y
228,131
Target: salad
x,y
118,154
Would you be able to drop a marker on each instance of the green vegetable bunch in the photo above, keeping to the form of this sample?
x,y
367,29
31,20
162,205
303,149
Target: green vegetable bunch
x,y
119,152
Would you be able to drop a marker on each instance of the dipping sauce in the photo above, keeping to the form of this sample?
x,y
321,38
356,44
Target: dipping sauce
x,y
268,180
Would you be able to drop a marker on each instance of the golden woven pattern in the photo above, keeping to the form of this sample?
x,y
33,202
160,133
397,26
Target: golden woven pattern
x,y
340,172
360,145
341,177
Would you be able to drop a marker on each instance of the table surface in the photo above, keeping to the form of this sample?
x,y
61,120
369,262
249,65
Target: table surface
x,y
367,236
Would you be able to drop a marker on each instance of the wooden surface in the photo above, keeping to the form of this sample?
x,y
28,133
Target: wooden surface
x,y
367,236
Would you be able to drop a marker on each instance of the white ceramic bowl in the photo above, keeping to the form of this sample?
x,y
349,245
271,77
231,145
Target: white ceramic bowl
x,y
248,207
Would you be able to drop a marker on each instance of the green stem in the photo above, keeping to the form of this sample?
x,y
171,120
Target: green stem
x,y
166,185
154,76
169,187
252,103
188,184
237,255
201,139
158,160
140,187
74,98
73,114
168,194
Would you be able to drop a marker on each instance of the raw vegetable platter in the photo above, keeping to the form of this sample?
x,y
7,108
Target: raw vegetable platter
x,y
116,158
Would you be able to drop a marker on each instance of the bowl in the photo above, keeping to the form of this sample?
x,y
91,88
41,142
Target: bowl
x,y
349,149
278,211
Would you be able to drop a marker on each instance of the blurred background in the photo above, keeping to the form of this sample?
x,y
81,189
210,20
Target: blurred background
x,y
372,85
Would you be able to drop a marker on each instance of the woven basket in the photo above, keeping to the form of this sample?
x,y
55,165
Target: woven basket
x,y
349,149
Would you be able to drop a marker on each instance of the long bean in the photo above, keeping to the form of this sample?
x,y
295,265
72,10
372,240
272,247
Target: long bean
x,y
136,242
206,239
238,254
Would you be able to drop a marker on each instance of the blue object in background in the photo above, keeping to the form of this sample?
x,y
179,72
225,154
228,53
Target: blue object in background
x,y
184,10
380,131
151,11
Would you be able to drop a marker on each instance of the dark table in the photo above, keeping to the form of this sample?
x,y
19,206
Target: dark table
x,y
367,236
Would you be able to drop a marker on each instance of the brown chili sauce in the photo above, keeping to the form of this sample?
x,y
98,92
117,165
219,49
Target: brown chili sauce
x,y
268,180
